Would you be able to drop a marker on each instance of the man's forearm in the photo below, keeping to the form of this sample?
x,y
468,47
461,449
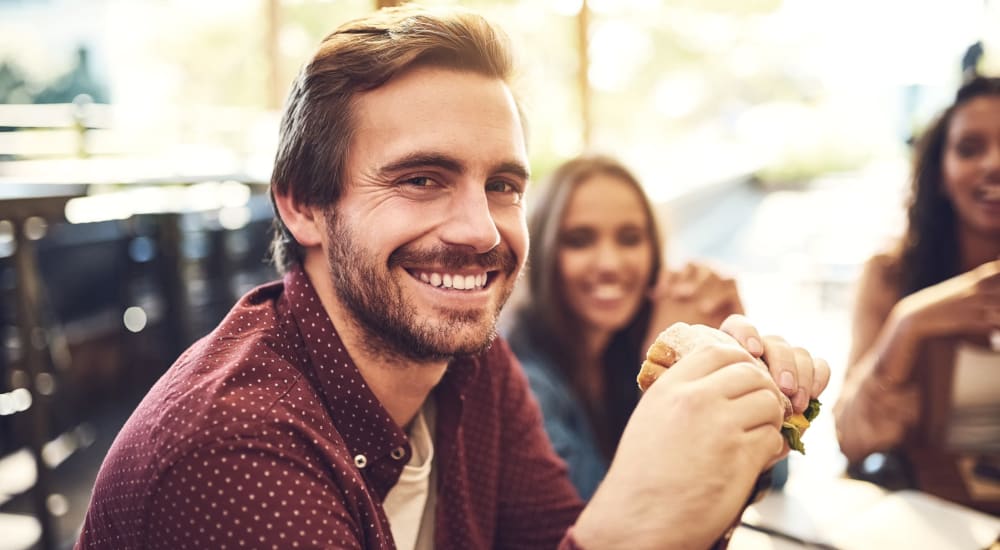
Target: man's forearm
x,y
617,518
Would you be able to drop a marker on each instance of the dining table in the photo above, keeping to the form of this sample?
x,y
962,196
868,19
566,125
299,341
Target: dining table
x,y
848,514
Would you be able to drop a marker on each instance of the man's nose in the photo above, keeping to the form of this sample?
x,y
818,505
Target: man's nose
x,y
470,221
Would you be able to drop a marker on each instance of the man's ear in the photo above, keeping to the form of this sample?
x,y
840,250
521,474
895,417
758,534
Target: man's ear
x,y
300,219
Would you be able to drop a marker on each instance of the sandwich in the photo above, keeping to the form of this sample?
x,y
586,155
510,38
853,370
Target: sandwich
x,y
680,339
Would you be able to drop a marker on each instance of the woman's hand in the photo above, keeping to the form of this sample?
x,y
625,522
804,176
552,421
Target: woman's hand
x,y
694,294
874,416
968,303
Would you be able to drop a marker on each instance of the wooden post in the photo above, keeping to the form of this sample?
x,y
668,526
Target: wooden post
x,y
583,58
273,55
34,348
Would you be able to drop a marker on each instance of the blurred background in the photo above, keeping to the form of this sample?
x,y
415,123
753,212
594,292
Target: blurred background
x,y
136,139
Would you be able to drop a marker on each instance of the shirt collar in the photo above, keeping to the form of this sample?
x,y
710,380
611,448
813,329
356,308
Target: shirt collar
x,y
365,426
378,447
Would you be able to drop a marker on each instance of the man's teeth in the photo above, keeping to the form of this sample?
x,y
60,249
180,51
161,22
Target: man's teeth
x,y
455,281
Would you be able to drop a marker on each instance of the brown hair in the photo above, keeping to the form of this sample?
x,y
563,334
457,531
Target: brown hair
x,y
360,56
929,250
543,320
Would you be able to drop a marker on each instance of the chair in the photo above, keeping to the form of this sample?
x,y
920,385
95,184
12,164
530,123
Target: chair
x,y
940,463
34,382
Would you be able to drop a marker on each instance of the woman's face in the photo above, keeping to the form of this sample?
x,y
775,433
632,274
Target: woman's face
x,y
972,164
605,253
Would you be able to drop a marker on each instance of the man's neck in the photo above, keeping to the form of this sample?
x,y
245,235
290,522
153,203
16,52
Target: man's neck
x,y
400,384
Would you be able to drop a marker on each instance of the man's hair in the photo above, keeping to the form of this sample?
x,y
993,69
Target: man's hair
x,y
929,250
362,55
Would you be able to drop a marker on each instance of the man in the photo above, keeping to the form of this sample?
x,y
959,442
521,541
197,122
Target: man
x,y
363,401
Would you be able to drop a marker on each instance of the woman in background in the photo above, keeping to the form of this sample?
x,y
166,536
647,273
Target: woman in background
x,y
941,281
595,268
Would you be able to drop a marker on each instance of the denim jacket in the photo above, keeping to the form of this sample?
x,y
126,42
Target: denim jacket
x,y
565,419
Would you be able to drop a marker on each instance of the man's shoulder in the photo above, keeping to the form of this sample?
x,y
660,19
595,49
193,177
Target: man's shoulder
x,y
263,309
257,337
235,380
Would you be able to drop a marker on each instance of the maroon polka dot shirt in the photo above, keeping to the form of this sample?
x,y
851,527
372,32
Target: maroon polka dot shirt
x,y
264,435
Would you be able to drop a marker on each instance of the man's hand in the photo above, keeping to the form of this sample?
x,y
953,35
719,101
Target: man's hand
x,y
798,374
695,445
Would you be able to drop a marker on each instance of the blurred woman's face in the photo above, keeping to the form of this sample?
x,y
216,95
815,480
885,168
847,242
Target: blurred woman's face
x,y
605,253
972,164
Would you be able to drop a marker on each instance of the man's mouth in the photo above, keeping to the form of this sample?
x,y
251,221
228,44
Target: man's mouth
x,y
455,281
450,269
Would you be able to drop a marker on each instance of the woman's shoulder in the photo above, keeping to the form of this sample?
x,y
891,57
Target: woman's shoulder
x,y
536,363
543,374
887,259
879,283
883,268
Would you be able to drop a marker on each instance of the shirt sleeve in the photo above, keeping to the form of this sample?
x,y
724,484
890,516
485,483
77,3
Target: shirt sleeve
x,y
537,503
246,494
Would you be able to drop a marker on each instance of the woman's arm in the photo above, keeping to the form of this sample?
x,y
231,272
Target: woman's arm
x,y
876,405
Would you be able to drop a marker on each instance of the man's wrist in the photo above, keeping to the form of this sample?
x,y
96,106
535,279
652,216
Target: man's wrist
x,y
613,520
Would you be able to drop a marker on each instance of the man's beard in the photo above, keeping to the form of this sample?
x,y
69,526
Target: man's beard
x,y
390,322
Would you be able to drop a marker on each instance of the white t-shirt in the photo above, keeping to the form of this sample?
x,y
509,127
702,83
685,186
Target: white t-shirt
x,y
410,503
975,400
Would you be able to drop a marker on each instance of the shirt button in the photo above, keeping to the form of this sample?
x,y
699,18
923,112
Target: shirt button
x,y
360,461
398,453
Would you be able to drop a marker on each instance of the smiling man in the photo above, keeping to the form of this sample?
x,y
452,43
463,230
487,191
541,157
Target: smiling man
x,y
364,401
433,218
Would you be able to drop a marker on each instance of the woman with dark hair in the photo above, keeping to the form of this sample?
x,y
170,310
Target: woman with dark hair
x,y
942,282
595,269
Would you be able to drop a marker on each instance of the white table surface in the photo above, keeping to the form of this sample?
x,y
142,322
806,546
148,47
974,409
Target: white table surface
x,y
849,514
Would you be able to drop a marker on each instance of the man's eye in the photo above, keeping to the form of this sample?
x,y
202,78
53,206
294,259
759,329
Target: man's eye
x,y
499,187
418,181
507,189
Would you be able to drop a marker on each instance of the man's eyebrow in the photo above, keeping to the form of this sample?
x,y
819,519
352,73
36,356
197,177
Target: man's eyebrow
x,y
513,168
449,163
420,160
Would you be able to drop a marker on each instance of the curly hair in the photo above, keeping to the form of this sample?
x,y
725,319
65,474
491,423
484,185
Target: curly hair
x,y
928,253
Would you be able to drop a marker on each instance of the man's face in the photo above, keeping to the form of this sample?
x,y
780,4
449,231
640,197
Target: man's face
x,y
429,237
